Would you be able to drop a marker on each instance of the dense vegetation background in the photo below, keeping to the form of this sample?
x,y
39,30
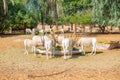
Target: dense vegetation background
x,y
29,13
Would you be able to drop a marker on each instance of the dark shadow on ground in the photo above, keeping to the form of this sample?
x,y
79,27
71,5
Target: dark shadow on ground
x,y
98,52
77,55
78,33
95,34
10,35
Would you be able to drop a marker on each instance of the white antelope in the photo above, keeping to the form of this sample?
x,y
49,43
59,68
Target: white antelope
x,y
49,46
28,31
33,31
87,42
28,43
36,41
66,45
39,41
43,41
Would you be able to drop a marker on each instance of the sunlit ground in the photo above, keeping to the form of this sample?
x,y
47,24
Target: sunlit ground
x,y
15,65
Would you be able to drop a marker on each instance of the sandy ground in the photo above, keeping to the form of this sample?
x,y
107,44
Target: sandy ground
x,y
15,65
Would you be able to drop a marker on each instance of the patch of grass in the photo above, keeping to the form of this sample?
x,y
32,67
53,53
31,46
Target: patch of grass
x,y
109,42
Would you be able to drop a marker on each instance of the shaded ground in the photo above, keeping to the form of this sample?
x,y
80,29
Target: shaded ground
x,y
14,65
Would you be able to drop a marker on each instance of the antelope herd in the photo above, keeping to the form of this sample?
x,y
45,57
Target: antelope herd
x,y
67,43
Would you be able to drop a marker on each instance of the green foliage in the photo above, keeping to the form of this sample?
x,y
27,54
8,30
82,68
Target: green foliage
x,y
61,21
106,12
17,17
76,11
85,18
73,6
28,13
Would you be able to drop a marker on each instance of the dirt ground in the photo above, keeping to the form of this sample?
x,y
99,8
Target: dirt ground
x,y
15,65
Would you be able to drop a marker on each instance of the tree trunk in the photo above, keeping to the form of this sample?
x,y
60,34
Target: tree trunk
x,y
102,28
75,29
56,14
62,26
25,26
83,29
50,26
5,6
111,29
43,20
10,31
71,24
91,28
